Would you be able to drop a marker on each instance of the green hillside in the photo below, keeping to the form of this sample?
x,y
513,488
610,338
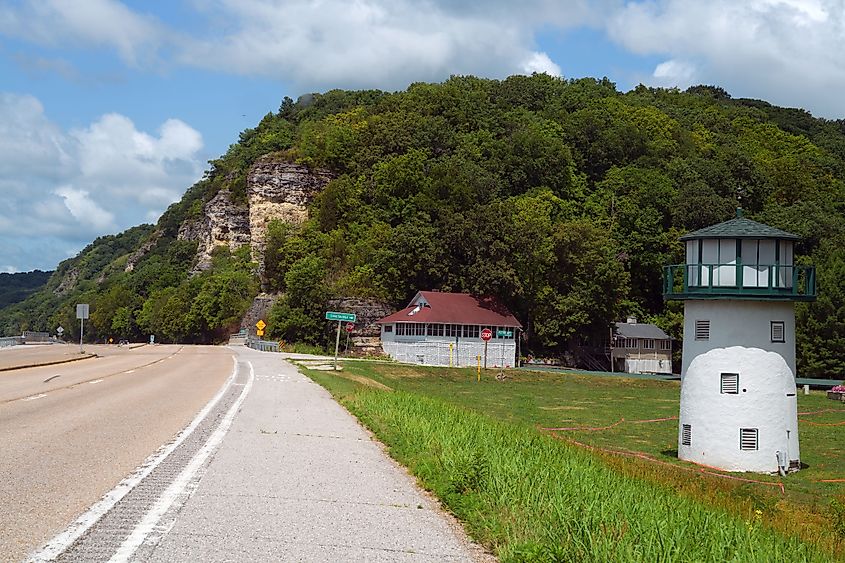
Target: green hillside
x,y
564,198
18,286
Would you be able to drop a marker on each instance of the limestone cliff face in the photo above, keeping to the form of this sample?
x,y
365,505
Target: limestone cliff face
x,y
276,189
223,223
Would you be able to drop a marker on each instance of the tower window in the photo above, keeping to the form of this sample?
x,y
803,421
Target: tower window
x,y
748,438
686,434
647,343
729,383
702,329
778,334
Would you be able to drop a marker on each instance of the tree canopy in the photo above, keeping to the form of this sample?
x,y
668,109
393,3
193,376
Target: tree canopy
x,y
563,198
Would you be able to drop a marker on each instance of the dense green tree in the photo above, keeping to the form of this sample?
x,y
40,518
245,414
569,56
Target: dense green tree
x,y
563,198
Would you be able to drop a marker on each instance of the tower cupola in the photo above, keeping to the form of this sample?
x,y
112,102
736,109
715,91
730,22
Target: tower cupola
x,y
740,259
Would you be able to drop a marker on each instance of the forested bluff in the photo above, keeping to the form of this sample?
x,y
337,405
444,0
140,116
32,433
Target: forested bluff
x,y
563,198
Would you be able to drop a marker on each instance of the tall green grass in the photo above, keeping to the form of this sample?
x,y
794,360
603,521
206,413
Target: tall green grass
x,y
529,497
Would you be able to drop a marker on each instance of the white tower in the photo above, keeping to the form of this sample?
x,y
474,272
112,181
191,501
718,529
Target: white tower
x,y
738,395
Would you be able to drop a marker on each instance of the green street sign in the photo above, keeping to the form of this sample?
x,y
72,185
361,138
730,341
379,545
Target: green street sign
x,y
506,333
335,316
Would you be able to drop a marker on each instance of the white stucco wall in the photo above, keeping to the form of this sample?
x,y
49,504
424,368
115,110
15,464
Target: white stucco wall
x,y
738,323
766,401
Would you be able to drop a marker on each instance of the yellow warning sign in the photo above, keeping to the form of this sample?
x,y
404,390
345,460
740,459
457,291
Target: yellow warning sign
x,y
261,325
259,332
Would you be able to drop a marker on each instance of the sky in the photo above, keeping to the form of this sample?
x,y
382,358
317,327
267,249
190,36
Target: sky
x,y
110,110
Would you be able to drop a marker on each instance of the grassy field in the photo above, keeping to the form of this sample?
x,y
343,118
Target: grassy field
x,y
529,493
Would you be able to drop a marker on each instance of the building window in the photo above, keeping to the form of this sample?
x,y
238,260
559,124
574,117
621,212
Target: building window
x,y
471,331
630,343
686,434
388,328
666,345
778,334
702,329
729,383
435,329
647,343
748,439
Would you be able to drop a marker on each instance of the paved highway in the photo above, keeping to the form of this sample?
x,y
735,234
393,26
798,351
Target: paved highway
x,y
70,432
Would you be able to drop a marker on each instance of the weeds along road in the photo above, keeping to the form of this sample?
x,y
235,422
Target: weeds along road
x,y
70,432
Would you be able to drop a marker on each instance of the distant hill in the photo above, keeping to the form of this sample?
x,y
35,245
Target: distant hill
x,y
563,198
17,287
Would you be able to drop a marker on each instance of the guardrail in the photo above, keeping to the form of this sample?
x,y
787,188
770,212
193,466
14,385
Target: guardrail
x,y
262,345
10,341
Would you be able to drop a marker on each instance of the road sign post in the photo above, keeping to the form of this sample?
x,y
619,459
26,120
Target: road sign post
x,y
82,311
486,335
339,317
348,327
336,344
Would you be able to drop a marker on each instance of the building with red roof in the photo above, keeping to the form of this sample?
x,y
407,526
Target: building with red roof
x,y
445,329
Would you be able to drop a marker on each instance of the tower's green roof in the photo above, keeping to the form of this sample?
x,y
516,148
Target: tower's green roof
x,y
740,227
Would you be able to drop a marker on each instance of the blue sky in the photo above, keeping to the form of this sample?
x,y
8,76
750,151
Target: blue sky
x,y
110,110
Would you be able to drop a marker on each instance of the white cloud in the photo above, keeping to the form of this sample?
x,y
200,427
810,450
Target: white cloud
x,y
675,73
95,23
84,210
314,45
71,186
366,43
788,52
540,62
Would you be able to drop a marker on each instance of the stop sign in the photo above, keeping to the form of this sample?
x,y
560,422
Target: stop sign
x,y
486,334
349,327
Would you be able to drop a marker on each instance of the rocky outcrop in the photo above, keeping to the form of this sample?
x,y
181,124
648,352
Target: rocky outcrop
x,y
223,223
279,189
368,312
365,340
68,282
260,309
142,251
276,189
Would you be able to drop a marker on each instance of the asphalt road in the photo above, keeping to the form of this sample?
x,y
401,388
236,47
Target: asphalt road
x,y
70,432
12,357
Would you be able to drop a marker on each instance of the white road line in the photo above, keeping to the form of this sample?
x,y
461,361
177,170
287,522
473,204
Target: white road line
x,y
130,371
95,381
61,542
33,397
190,475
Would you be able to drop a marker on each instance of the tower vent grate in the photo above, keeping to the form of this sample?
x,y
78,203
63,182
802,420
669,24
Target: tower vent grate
x,y
702,329
748,439
686,434
729,383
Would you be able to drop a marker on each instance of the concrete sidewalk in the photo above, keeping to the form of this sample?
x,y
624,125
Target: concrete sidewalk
x,y
298,479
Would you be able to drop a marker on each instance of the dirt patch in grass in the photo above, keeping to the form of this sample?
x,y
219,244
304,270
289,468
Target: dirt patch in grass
x,y
366,381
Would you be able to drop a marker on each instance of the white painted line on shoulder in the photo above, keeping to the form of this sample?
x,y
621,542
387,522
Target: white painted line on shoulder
x,y
95,381
61,542
186,481
33,397
129,371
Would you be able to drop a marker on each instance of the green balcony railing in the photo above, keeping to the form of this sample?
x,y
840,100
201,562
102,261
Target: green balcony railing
x,y
739,281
